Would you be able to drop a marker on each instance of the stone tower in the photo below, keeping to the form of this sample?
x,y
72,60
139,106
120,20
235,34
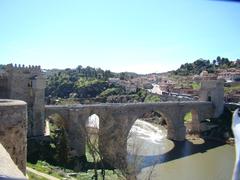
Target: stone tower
x,y
213,90
27,84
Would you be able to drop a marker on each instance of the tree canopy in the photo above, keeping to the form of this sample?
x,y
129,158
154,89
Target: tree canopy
x,y
211,66
85,82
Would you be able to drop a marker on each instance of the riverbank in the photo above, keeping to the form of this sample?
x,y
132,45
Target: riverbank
x,y
44,169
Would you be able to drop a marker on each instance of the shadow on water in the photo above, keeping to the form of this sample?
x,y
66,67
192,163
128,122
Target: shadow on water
x,y
181,149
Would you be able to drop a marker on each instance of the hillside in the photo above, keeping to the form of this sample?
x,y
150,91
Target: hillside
x,y
90,85
211,66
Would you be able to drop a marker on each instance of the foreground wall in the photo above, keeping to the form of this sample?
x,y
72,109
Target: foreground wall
x,y
13,130
8,169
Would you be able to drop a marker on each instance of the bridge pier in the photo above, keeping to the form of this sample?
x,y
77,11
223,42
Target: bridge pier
x,y
113,141
175,123
177,133
76,131
196,119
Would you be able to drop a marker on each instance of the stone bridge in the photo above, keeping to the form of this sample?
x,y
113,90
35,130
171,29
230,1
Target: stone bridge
x,y
116,120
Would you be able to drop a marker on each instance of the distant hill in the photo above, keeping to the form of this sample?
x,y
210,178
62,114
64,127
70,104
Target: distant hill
x,y
91,85
82,82
211,66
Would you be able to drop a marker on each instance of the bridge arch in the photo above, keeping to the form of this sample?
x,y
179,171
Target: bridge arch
x,y
120,121
92,138
143,133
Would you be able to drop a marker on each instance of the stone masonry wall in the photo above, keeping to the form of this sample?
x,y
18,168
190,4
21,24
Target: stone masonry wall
x,y
26,84
13,130
213,91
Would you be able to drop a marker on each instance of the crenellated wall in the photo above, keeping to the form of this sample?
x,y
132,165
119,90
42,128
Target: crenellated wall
x,y
23,68
13,130
4,87
26,83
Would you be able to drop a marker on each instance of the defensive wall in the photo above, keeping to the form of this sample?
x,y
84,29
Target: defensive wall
x,y
26,83
13,134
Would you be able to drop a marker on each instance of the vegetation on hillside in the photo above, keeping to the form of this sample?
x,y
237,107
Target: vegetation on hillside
x,y
211,66
150,98
196,85
233,89
112,91
90,85
81,82
143,95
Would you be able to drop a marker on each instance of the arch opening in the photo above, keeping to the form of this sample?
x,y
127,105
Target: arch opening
x,y
92,123
53,122
54,148
188,118
192,124
148,135
92,139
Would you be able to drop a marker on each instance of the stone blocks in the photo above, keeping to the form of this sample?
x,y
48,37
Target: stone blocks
x,y
13,130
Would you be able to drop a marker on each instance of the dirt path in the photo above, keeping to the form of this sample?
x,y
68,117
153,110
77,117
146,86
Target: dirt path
x,y
41,174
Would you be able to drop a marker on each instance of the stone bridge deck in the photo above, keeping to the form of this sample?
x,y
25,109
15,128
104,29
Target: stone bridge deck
x,y
163,107
116,120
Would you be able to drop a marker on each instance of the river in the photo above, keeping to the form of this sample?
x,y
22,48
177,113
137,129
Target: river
x,y
154,156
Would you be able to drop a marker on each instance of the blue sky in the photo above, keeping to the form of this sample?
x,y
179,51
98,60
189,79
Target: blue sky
x,y
129,35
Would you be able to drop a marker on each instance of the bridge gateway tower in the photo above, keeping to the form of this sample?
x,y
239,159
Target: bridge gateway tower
x,y
27,84
213,91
